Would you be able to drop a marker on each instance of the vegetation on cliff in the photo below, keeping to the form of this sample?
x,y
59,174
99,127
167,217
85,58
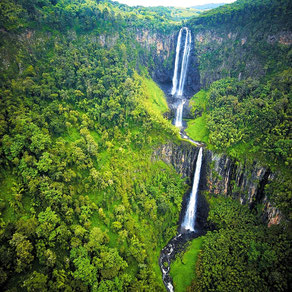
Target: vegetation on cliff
x,y
244,39
245,107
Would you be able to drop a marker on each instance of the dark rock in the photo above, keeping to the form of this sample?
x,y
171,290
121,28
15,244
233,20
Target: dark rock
x,y
182,156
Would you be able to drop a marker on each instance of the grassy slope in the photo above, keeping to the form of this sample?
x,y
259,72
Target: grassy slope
x,y
183,268
197,128
156,96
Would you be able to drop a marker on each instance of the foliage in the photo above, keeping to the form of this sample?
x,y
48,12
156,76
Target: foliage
x,y
244,39
182,269
240,253
83,206
251,113
250,120
244,11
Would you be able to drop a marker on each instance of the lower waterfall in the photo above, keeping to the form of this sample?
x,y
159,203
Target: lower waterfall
x,y
190,216
187,231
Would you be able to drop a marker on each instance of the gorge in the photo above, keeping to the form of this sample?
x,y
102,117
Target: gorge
x,y
188,224
249,190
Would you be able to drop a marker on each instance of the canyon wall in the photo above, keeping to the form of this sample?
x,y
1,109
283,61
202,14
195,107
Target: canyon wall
x,y
224,175
240,52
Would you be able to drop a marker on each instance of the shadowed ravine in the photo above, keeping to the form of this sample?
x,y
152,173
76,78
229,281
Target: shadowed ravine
x,y
188,227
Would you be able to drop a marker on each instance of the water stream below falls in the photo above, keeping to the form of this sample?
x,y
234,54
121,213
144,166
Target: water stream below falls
x,y
188,229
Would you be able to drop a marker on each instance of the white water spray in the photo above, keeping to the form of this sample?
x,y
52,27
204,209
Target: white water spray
x,y
179,113
184,64
190,217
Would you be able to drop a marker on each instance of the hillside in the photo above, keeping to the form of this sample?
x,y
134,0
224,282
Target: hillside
x,y
245,113
243,110
81,201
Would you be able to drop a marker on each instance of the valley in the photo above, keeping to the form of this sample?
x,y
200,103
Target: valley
x,y
145,148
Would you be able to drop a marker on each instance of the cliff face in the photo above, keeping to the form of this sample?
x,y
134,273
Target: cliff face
x,y
192,84
239,52
160,50
182,157
223,175
245,182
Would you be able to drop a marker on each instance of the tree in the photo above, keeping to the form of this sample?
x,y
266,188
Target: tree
x,y
111,263
84,270
23,248
36,282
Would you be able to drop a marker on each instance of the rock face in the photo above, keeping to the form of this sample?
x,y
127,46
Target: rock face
x,y
233,52
222,175
193,74
182,157
159,55
245,182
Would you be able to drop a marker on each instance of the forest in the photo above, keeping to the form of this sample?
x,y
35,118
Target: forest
x,y
84,205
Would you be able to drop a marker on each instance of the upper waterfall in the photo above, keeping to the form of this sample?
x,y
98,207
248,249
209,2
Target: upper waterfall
x,y
185,60
178,85
190,217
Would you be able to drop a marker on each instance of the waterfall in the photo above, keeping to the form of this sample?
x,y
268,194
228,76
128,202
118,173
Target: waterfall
x,y
190,217
179,113
178,85
178,242
174,78
184,64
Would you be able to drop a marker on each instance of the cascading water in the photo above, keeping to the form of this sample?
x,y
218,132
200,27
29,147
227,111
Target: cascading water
x,y
190,217
181,70
178,85
185,60
179,113
188,231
